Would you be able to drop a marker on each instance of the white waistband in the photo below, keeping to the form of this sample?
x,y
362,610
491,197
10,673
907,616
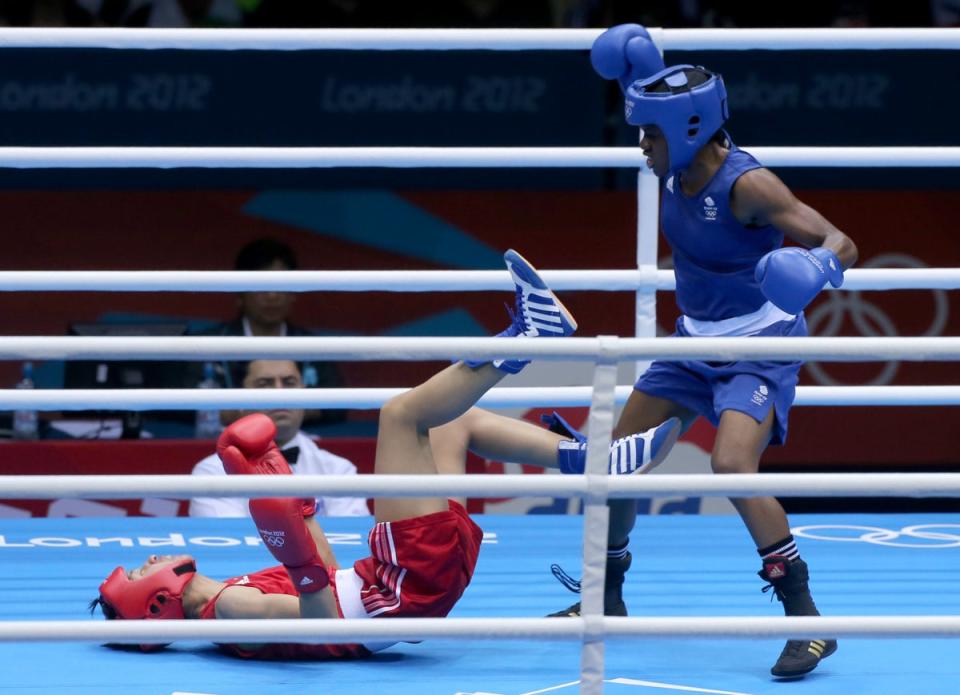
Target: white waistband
x,y
748,324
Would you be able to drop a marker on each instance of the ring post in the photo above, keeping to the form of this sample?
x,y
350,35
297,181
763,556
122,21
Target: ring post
x,y
648,235
596,517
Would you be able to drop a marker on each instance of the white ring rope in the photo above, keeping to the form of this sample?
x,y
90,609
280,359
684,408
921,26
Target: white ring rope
x,y
383,280
480,485
473,39
374,398
412,629
442,157
360,349
644,278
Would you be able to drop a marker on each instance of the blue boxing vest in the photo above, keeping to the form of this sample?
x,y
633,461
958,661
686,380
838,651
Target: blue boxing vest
x,y
713,254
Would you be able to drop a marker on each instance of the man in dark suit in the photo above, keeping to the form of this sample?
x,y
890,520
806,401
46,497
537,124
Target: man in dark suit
x,y
265,314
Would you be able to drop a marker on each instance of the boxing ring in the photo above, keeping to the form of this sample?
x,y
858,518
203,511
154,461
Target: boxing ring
x,y
702,629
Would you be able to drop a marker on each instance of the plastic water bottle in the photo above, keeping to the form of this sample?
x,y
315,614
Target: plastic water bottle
x,y
25,421
208,421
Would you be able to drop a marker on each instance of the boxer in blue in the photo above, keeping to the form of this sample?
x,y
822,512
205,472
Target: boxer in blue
x,y
725,217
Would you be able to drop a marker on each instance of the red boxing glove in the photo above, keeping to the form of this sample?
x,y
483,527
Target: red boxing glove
x,y
280,523
247,448
308,507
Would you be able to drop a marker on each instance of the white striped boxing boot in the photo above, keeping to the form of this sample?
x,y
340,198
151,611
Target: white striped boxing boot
x,y
644,451
634,454
537,312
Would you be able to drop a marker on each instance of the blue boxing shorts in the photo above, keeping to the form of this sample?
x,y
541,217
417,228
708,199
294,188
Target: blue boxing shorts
x,y
709,388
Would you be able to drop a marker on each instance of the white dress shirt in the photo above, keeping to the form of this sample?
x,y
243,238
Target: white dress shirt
x,y
312,461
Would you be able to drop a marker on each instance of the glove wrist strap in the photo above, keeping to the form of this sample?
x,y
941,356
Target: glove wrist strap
x,y
309,578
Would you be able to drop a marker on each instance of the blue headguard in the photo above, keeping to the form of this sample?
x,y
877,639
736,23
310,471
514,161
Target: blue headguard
x,y
687,116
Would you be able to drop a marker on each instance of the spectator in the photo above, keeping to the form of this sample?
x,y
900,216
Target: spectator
x,y
156,13
483,13
33,13
332,13
945,13
304,456
266,314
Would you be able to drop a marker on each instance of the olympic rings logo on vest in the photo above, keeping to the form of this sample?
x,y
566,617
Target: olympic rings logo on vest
x,y
827,317
920,536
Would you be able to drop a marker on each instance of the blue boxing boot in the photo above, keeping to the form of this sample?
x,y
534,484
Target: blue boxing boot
x,y
633,454
537,311
572,451
642,452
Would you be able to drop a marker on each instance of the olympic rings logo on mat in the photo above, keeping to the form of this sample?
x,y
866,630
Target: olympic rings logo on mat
x,y
827,318
917,536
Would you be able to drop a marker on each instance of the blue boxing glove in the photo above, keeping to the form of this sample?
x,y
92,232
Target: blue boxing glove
x,y
625,53
791,277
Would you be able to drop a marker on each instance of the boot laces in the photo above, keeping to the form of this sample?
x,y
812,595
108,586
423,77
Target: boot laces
x,y
518,321
795,648
516,318
568,582
777,591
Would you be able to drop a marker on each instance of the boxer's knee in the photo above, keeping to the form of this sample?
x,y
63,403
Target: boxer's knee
x,y
725,461
399,411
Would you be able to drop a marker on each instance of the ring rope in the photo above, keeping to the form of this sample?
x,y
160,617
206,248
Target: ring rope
x,y
412,629
644,278
474,39
442,157
360,349
374,398
479,485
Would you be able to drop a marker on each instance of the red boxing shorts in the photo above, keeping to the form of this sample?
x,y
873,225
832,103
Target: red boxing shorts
x,y
418,567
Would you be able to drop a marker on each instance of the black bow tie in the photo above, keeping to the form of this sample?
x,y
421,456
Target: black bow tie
x,y
291,454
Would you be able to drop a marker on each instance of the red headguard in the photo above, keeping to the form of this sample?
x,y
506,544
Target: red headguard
x,y
158,596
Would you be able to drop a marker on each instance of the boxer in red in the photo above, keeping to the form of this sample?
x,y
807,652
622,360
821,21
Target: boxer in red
x,y
422,550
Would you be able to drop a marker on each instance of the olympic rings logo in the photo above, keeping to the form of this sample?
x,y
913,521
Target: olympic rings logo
x,y
274,538
828,317
917,536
